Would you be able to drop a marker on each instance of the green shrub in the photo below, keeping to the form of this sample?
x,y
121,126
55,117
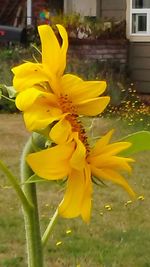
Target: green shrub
x,y
90,27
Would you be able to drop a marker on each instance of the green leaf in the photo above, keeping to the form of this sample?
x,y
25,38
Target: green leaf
x,y
34,179
140,142
14,182
11,91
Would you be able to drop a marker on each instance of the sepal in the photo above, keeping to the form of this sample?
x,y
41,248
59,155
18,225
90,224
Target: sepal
x,y
35,179
10,90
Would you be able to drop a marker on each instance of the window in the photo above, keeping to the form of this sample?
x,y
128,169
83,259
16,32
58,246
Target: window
x,y
139,23
140,17
140,4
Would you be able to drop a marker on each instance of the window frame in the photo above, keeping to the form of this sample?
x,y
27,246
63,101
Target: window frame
x,y
141,35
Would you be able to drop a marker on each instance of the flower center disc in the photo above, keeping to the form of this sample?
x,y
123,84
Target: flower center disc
x,y
67,106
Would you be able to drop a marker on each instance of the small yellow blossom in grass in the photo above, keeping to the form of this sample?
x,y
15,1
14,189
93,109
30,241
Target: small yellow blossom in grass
x,y
141,198
46,205
68,231
108,207
59,243
101,213
128,202
79,162
46,95
78,265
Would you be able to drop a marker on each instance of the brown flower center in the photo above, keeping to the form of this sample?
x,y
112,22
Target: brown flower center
x,y
67,106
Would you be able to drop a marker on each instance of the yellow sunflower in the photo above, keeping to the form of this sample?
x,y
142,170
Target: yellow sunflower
x,y
79,163
46,95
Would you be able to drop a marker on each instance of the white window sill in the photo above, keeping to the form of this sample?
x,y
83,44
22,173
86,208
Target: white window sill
x,y
139,38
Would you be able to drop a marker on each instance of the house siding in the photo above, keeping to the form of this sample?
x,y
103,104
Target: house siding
x,y
101,8
139,66
137,60
84,8
112,9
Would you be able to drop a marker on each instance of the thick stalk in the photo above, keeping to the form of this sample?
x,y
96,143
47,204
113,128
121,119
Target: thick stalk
x,y
31,216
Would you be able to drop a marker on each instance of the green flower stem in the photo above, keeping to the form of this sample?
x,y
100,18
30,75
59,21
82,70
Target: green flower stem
x,y
49,228
31,217
14,182
11,100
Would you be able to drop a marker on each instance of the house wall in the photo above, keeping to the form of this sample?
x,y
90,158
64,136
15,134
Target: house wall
x,y
111,9
139,65
83,7
100,8
137,59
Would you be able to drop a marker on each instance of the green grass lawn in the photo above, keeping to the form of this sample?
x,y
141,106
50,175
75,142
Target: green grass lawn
x,y
116,237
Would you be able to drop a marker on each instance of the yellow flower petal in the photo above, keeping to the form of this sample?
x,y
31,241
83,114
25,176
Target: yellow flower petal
x,y
102,146
27,75
102,142
79,90
61,131
113,176
86,203
93,107
50,48
41,114
26,98
64,48
52,163
115,148
69,83
112,162
77,160
53,55
71,205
